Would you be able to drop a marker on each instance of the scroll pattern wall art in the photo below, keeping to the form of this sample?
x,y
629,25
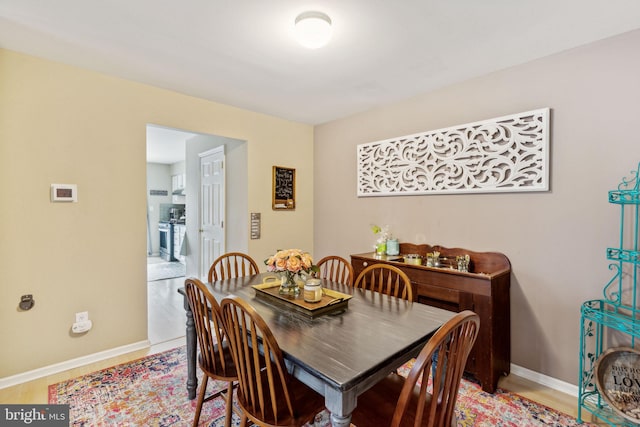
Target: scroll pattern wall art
x,y
505,154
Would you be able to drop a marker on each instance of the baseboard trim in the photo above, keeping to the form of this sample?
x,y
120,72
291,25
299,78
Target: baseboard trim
x,y
72,363
545,380
525,373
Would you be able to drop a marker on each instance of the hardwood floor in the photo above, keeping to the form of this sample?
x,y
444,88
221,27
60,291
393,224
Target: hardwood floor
x,y
166,331
166,310
166,319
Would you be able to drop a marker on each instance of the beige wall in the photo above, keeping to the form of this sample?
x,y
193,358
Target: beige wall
x,y
60,124
556,240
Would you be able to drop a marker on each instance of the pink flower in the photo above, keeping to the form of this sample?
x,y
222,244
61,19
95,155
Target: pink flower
x,y
294,264
281,263
292,260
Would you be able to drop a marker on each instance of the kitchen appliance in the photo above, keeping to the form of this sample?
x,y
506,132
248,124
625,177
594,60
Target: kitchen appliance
x,y
166,240
176,214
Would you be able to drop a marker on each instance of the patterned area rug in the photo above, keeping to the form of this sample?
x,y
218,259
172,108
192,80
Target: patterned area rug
x,y
151,392
165,270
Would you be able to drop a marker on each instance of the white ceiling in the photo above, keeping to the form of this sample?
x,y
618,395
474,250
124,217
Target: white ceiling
x,y
165,145
241,53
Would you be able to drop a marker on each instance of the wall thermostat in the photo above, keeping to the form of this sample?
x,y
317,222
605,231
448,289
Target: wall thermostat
x,y
64,193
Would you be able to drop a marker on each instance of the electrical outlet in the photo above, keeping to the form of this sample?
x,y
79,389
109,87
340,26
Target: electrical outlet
x,y
83,316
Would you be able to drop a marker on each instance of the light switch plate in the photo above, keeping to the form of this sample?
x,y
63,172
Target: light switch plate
x,y
255,225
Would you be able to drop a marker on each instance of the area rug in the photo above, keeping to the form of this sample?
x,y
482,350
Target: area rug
x,y
151,392
165,270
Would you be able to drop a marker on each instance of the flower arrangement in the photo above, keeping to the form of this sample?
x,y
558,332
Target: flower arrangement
x,y
383,234
291,262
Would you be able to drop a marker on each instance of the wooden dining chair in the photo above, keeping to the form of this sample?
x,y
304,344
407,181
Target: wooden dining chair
x,y
439,367
386,279
336,269
232,264
215,358
268,395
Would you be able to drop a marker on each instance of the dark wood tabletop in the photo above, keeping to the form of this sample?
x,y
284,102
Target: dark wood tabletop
x,y
341,354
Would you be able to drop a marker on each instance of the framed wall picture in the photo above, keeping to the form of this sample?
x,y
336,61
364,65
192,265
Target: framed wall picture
x,y
284,188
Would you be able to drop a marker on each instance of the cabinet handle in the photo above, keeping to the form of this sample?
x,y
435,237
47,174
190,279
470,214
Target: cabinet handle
x,y
365,263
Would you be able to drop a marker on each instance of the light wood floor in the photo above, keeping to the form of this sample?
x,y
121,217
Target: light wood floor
x,y
165,308
166,331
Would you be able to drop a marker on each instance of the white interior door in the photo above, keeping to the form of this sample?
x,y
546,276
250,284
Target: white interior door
x,y
212,208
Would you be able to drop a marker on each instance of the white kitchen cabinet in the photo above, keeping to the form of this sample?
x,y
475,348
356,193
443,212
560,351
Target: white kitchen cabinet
x,y
178,186
178,182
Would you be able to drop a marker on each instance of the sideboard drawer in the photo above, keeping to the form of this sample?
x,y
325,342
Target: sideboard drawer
x,y
438,293
359,265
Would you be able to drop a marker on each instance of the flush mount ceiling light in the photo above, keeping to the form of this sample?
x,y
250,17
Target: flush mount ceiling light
x,y
313,29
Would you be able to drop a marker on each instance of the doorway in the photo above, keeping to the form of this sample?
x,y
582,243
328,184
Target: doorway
x,y
166,224
166,316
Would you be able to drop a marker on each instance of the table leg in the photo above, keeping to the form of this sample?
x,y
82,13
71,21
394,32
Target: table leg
x,y
338,421
340,404
192,380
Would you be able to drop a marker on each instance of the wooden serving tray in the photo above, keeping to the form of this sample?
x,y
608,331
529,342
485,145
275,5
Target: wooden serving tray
x,y
331,302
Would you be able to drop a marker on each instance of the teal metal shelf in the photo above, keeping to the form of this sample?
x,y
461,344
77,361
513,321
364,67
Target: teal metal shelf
x,y
625,197
593,403
611,316
619,311
623,255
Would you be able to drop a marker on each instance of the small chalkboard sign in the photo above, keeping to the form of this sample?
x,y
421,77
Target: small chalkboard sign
x,y
284,188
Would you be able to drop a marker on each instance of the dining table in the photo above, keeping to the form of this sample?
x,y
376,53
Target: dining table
x,y
339,354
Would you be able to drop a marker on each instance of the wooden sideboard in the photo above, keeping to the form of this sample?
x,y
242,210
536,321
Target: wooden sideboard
x,y
483,289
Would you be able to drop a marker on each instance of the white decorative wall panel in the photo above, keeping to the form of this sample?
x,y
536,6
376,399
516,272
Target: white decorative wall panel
x,y
505,154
